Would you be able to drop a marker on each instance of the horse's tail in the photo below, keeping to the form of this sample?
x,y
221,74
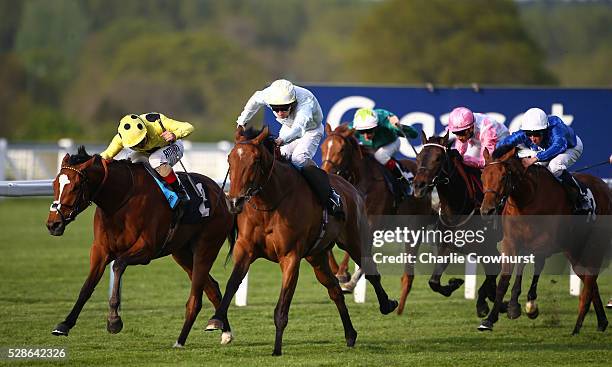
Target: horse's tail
x,y
231,238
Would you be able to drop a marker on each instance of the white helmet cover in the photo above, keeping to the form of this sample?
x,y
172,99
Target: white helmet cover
x,y
365,119
281,92
534,119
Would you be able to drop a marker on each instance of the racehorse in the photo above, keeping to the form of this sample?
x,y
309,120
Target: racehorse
x,y
280,219
343,156
442,168
132,226
536,219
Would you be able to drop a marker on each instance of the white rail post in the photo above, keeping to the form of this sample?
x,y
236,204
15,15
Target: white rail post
x,y
241,293
360,288
470,279
65,146
3,158
574,283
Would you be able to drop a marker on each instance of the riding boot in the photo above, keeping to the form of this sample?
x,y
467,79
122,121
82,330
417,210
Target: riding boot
x,y
577,195
403,178
180,191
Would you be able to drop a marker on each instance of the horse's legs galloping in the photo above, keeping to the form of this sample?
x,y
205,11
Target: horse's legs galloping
x,y
114,323
242,261
407,277
328,280
343,268
290,266
502,288
586,296
531,307
602,319
434,280
514,308
98,259
332,263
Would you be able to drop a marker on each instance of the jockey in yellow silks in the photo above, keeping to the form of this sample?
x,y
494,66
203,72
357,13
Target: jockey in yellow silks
x,y
156,138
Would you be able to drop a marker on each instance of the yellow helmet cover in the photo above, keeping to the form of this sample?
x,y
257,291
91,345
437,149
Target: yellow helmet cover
x,y
132,130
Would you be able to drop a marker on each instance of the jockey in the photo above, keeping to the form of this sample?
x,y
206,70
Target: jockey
x,y
475,132
380,129
300,115
547,140
155,137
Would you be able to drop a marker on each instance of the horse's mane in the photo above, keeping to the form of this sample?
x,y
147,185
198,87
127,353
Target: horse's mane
x,y
501,151
81,157
251,133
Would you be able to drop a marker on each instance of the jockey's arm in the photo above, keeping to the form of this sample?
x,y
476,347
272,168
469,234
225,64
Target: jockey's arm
x,y
303,114
557,146
253,105
113,149
180,129
488,140
514,139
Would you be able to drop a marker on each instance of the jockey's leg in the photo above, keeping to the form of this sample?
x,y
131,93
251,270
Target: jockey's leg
x,y
163,160
384,155
558,166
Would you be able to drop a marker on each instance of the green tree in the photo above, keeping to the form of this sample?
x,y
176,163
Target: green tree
x,y
446,42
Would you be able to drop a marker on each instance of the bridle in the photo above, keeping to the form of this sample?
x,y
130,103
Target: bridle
x,y
442,176
342,169
509,186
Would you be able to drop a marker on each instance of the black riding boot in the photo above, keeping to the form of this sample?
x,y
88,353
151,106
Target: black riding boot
x,y
180,191
577,195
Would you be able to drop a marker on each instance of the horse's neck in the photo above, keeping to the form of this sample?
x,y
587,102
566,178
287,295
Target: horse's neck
x,y
453,195
122,181
282,180
535,193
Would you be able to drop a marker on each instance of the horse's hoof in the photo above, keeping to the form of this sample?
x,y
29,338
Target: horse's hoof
x,y
344,278
214,324
61,329
514,311
351,339
455,283
576,331
178,345
485,325
114,326
534,314
482,309
609,305
390,307
603,326
504,307
347,287
277,353
226,337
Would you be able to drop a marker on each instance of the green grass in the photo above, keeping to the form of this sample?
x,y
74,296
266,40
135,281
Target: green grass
x,y
41,276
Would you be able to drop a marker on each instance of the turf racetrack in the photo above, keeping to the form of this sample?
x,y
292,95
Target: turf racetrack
x,y
41,276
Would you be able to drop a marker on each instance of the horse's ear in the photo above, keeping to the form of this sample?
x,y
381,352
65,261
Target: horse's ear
x,y
486,155
65,159
262,135
511,153
445,138
352,132
239,134
328,128
423,137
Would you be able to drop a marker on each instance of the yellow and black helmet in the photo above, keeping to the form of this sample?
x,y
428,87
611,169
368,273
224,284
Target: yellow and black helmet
x,y
132,130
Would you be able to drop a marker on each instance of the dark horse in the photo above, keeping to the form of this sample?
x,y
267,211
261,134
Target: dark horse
x,y
443,168
280,219
131,227
536,220
343,155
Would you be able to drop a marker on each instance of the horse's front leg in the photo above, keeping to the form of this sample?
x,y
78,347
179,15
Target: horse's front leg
x,y
514,307
531,307
440,267
502,288
242,261
98,259
290,266
114,323
407,277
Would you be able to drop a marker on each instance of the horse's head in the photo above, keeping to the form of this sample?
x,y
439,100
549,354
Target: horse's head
x,y
72,189
250,166
498,179
430,164
338,149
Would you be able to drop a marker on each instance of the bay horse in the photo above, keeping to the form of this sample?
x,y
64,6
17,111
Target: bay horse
x,y
343,156
441,167
280,219
131,226
537,219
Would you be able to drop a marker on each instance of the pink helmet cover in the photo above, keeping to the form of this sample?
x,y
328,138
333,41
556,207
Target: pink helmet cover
x,y
460,118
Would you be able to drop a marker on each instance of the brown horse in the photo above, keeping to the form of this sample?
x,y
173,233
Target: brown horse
x,y
343,155
442,168
131,226
536,220
280,219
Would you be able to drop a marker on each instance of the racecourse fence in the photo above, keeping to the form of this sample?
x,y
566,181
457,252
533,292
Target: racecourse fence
x,y
25,170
